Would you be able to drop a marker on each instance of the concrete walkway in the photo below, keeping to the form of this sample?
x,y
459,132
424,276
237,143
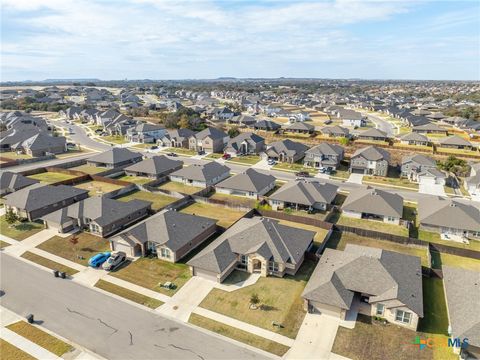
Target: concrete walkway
x,y
25,245
26,345
315,337
431,189
245,326
252,279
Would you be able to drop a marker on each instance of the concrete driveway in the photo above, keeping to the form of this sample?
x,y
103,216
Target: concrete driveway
x,y
355,178
431,189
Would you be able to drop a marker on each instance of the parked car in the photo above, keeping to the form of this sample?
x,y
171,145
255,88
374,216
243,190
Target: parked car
x,y
172,154
153,147
200,152
226,156
98,259
70,144
271,162
302,174
114,261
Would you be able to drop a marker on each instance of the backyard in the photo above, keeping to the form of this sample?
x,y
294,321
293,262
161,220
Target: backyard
x,y
158,200
51,177
98,187
320,233
225,216
14,156
151,272
374,225
233,199
280,301
88,169
135,179
179,187
20,230
87,246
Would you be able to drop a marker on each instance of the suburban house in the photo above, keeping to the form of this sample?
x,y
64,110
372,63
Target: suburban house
x,y
370,160
415,164
114,158
455,142
99,215
245,144
414,138
300,128
266,125
249,183
242,120
472,183
373,135
255,245
324,155
286,151
154,167
201,175
176,138
37,200
145,133
368,281
461,288
11,182
374,204
303,195
351,118
454,220
335,131
42,144
170,235
429,128
210,140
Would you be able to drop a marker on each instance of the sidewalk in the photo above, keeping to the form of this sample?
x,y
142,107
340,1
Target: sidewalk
x,y
26,345
31,242
245,326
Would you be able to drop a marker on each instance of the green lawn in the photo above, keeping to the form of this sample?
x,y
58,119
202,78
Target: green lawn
x,y
11,352
280,301
116,139
88,169
181,151
51,177
128,294
339,240
152,272
295,167
95,187
225,216
180,187
448,190
239,335
48,263
135,179
213,156
41,338
20,230
456,261
373,225
87,246
158,200
392,179
245,160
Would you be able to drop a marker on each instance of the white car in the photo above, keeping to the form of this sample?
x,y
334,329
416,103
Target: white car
x,y
114,261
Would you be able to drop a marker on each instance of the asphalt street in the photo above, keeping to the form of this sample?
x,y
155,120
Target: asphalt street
x,y
80,137
383,125
107,326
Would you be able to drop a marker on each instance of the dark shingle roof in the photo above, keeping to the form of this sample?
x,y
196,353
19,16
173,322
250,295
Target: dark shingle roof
x,y
202,172
115,156
156,165
306,192
249,180
374,201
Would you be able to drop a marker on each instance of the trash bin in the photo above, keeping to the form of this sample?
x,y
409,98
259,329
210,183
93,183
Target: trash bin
x,y
63,275
30,318
55,273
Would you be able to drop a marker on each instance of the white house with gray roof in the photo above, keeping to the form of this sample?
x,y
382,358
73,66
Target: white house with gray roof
x,y
374,204
370,281
170,235
201,175
256,245
250,183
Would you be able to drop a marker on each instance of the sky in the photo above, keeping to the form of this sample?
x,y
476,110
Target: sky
x,y
196,39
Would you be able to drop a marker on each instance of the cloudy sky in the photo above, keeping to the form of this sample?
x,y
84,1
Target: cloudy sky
x,y
160,39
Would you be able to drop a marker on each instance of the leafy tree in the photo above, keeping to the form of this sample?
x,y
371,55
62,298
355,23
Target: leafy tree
x,y
11,217
344,141
454,165
184,123
233,131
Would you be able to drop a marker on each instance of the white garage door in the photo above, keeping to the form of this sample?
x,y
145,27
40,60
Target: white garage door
x,y
327,310
123,247
206,274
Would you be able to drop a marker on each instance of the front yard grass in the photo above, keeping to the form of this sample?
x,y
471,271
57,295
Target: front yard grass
x,y
151,272
48,263
180,151
280,301
158,201
180,187
3,244
239,335
245,160
51,177
116,139
225,216
9,351
135,179
128,294
20,230
342,171
14,156
392,179
95,187
338,240
88,169
88,245
295,167
373,225
40,337
213,156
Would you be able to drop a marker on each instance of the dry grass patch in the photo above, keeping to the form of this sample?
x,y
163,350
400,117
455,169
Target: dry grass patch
x,y
225,216
128,294
158,201
88,169
51,177
11,352
180,187
95,187
374,225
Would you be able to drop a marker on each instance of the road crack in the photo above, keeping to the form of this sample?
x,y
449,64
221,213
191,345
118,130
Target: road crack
x,y
79,313
131,338
188,350
110,327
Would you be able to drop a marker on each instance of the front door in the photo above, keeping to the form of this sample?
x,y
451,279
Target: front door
x,y
257,265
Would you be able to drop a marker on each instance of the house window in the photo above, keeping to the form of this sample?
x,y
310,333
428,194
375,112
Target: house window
x,y
403,316
244,259
165,253
94,228
380,309
151,247
272,266
390,218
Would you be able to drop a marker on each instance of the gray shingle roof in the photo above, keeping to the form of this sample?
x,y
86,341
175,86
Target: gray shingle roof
x,y
455,140
211,132
249,180
326,149
442,212
115,156
11,182
462,291
372,153
202,172
373,132
374,201
420,160
156,165
268,237
413,136
385,275
303,126
335,130
288,146
306,192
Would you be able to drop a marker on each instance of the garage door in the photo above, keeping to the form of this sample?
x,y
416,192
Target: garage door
x,y
327,310
127,249
358,171
206,274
